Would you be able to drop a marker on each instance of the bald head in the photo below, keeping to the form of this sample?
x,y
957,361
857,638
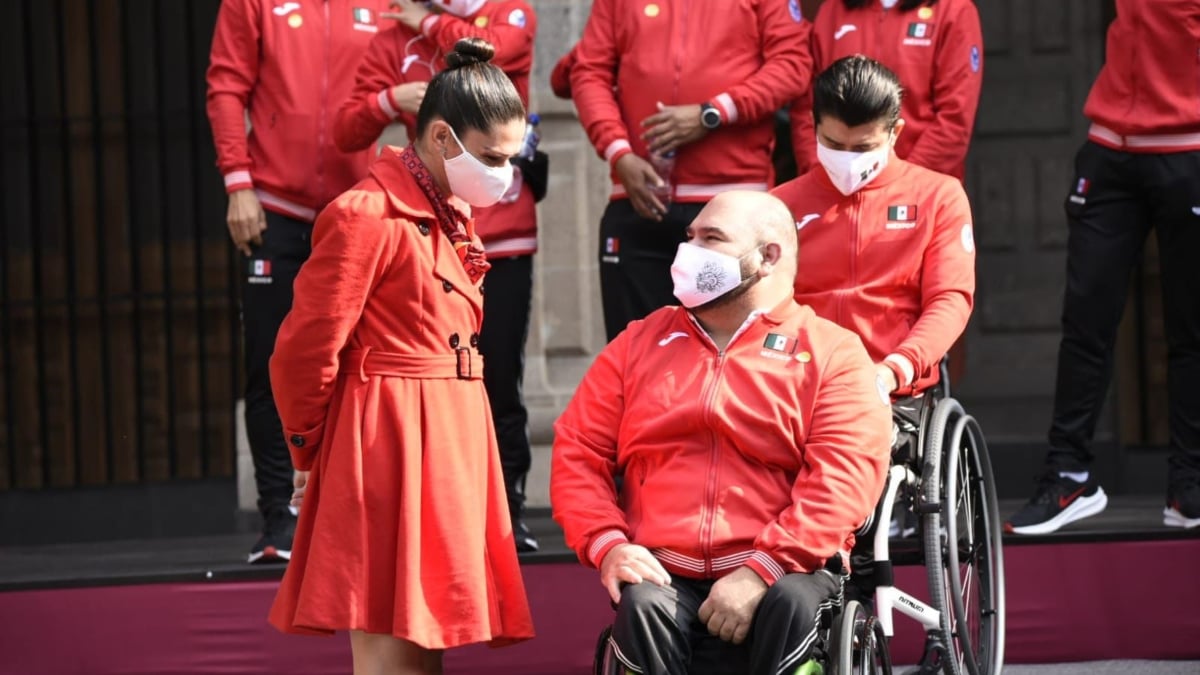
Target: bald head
x,y
760,217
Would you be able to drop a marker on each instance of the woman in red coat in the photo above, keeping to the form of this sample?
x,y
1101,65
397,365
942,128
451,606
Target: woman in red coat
x,y
404,537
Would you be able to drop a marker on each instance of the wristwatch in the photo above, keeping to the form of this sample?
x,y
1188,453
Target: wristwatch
x,y
710,116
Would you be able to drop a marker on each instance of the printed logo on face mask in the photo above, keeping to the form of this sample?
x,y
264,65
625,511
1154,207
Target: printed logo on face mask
x,y
710,278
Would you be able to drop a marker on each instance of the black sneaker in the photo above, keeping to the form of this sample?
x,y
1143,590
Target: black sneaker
x,y
275,544
1058,501
526,542
1183,505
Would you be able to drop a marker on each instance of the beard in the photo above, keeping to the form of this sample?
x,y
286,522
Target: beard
x,y
749,278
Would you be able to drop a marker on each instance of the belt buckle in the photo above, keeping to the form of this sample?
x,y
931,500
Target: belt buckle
x,y
462,363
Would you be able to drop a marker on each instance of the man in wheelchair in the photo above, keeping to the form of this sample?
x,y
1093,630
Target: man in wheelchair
x,y
887,248
749,438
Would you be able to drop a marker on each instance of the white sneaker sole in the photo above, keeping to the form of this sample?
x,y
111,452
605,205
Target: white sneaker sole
x,y
1173,518
1084,507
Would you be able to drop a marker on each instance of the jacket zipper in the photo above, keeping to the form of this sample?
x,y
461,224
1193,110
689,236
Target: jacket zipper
x,y
708,514
324,105
855,213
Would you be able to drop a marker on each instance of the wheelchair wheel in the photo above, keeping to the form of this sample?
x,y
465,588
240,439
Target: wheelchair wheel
x,y
962,539
604,663
858,644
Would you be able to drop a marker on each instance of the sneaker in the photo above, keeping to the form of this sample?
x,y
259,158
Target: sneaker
x,y
275,544
1058,501
1183,505
526,542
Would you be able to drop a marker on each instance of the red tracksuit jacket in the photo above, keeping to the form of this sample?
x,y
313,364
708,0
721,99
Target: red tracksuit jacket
x,y
400,55
289,64
769,453
745,56
893,262
1147,96
936,51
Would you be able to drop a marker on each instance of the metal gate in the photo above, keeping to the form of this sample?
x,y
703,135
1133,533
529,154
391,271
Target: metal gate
x,y
118,340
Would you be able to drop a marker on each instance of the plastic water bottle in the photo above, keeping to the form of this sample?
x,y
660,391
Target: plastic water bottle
x,y
532,137
664,166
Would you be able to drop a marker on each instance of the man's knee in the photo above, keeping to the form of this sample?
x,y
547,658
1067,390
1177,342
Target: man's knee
x,y
642,601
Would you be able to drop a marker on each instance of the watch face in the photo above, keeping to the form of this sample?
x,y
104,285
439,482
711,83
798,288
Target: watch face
x,y
710,118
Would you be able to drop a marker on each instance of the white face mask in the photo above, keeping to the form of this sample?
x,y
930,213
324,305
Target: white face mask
x,y
460,7
473,181
850,171
702,275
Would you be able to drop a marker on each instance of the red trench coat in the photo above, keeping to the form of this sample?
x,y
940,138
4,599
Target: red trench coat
x,y
404,528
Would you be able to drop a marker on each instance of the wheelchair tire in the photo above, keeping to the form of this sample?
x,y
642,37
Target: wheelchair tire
x,y
603,663
966,579
858,644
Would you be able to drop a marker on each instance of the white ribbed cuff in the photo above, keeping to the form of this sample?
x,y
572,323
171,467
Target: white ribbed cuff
x,y
615,147
906,367
729,111
385,103
238,178
603,542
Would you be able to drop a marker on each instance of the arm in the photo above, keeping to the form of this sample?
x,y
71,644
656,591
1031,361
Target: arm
x,y
593,79
846,455
348,257
947,285
232,76
372,105
958,77
804,129
560,77
510,33
784,75
584,460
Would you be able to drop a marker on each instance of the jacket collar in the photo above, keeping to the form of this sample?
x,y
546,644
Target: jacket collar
x,y
403,192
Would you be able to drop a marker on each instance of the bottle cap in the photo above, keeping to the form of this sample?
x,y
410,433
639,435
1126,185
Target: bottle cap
x,y
534,118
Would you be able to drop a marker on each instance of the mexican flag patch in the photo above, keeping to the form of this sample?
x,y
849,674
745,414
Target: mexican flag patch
x,y
362,15
779,343
902,213
920,30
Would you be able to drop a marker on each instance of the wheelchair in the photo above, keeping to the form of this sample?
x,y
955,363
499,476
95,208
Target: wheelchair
x,y
948,485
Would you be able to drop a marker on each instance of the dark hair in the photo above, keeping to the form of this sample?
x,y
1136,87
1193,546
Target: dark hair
x,y
857,90
904,5
470,93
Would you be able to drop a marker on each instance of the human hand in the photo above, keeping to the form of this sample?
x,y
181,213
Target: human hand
x,y
887,377
408,12
640,181
729,608
631,564
246,220
673,126
299,484
409,95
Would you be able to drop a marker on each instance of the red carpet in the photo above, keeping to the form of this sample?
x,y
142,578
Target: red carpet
x,y
1067,602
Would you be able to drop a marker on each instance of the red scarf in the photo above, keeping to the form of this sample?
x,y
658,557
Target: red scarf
x,y
452,222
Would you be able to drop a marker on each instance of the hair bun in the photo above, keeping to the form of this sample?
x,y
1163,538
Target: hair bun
x,y
470,50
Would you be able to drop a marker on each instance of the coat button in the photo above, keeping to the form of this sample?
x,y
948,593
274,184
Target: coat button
x,y
447,286
474,339
454,341
297,440
424,228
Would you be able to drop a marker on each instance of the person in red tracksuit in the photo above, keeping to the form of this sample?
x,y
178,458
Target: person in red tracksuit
x,y
679,97
390,80
752,438
889,245
1138,170
286,65
934,46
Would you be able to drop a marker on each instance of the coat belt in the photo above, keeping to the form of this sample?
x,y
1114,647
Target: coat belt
x,y
461,364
